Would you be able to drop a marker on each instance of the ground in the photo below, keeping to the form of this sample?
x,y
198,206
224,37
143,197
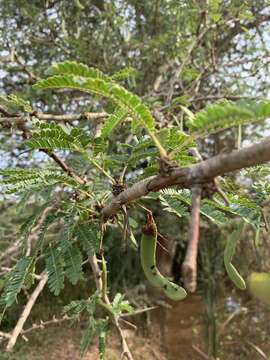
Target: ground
x,y
179,333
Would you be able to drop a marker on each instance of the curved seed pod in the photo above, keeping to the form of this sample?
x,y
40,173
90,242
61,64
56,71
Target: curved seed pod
x,y
228,255
259,286
236,277
148,261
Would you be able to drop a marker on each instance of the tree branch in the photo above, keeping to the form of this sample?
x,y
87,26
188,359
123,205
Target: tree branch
x,y
187,177
189,266
26,311
70,117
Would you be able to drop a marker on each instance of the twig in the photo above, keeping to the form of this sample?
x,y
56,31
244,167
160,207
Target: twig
x,y
26,311
229,319
32,77
64,166
5,335
42,324
13,117
257,349
228,97
140,311
189,266
70,117
98,280
199,351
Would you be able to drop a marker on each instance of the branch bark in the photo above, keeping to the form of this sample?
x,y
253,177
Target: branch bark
x,y
70,117
26,311
189,176
189,266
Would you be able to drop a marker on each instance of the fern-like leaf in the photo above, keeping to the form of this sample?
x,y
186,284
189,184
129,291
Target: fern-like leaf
x,y
16,279
15,103
225,114
20,180
87,336
115,92
55,268
173,205
77,69
53,136
73,264
88,236
112,121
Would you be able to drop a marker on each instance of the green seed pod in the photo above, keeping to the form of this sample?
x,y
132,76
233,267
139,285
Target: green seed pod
x,y
228,255
236,277
148,261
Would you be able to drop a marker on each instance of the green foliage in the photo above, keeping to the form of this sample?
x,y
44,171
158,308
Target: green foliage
x,y
176,201
226,114
77,69
76,308
73,264
15,103
114,43
16,280
228,255
52,136
102,87
124,74
87,337
120,306
55,268
51,218
88,236
171,203
112,122
19,180
98,326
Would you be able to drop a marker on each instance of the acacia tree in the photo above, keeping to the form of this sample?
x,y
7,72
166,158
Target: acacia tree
x,y
87,209
98,176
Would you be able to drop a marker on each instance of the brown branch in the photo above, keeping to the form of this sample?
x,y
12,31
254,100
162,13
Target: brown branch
x,y
26,311
64,166
189,266
70,117
228,97
42,324
6,113
4,335
13,117
32,77
195,174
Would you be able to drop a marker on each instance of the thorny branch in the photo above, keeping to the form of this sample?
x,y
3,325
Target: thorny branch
x,y
26,311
